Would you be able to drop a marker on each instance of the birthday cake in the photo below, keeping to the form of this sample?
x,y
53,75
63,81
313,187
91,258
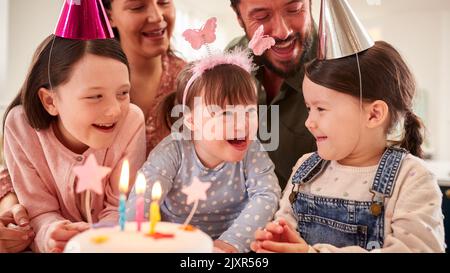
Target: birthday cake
x,y
168,238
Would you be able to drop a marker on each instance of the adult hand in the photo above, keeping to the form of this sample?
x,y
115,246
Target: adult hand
x,y
15,230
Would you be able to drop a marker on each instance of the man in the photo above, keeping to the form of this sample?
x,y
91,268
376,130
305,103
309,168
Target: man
x,y
280,72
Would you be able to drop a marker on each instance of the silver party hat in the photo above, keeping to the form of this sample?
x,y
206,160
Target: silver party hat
x,y
341,34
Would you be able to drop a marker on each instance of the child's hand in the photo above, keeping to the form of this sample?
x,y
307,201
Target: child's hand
x,y
221,246
15,231
62,233
279,237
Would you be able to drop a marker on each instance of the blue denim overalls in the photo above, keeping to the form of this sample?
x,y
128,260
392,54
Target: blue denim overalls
x,y
341,222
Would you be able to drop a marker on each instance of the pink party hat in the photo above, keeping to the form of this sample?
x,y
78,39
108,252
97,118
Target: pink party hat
x,y
83,20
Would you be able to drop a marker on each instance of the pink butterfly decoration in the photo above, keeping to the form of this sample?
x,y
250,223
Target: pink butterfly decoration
x,y
260,42
205,35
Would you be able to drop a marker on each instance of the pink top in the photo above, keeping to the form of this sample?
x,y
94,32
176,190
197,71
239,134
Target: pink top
x,y
41,171
172,66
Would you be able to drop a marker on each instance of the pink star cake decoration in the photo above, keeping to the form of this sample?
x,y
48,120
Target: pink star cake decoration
x,y
90,175
196,191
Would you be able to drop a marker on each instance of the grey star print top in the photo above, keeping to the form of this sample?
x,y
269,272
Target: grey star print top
x,y
242,198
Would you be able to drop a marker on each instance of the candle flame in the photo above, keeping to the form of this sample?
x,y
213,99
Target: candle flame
x,y
140,183
156,191
124,177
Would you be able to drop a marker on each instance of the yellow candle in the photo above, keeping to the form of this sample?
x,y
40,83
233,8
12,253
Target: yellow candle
x,y
155,215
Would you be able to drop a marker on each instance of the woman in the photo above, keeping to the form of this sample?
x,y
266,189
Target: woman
x,y
144,28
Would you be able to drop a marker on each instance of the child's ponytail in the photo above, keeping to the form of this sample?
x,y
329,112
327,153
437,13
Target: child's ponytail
x,y
413,139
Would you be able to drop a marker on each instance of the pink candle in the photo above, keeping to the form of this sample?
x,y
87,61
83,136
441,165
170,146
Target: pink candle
x,y
140,190
139,212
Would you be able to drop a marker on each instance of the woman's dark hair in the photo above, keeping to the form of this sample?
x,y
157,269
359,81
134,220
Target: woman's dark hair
x,y
224,84
385,76
107,6
235,3
65,53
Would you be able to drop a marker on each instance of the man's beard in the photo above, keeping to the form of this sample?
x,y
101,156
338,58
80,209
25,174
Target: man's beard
x,y
291,67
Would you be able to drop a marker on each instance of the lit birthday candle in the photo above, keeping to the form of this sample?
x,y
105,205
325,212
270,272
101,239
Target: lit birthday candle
x,y
140,190
155,215
123,188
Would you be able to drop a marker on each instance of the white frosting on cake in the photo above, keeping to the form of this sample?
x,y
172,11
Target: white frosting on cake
x,y
113,240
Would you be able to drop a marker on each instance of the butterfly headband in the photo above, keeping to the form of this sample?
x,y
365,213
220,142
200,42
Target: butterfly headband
x,y
206,35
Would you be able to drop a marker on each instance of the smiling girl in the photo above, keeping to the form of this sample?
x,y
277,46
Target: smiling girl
x,y
360,191
73,107
219,147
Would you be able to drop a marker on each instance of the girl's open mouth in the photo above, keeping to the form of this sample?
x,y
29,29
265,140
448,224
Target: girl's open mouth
x,y
238,144
105,127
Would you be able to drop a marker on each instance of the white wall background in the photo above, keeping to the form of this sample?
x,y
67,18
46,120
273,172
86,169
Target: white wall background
x,y
28,24
192,14
419,29
421,32
3,44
